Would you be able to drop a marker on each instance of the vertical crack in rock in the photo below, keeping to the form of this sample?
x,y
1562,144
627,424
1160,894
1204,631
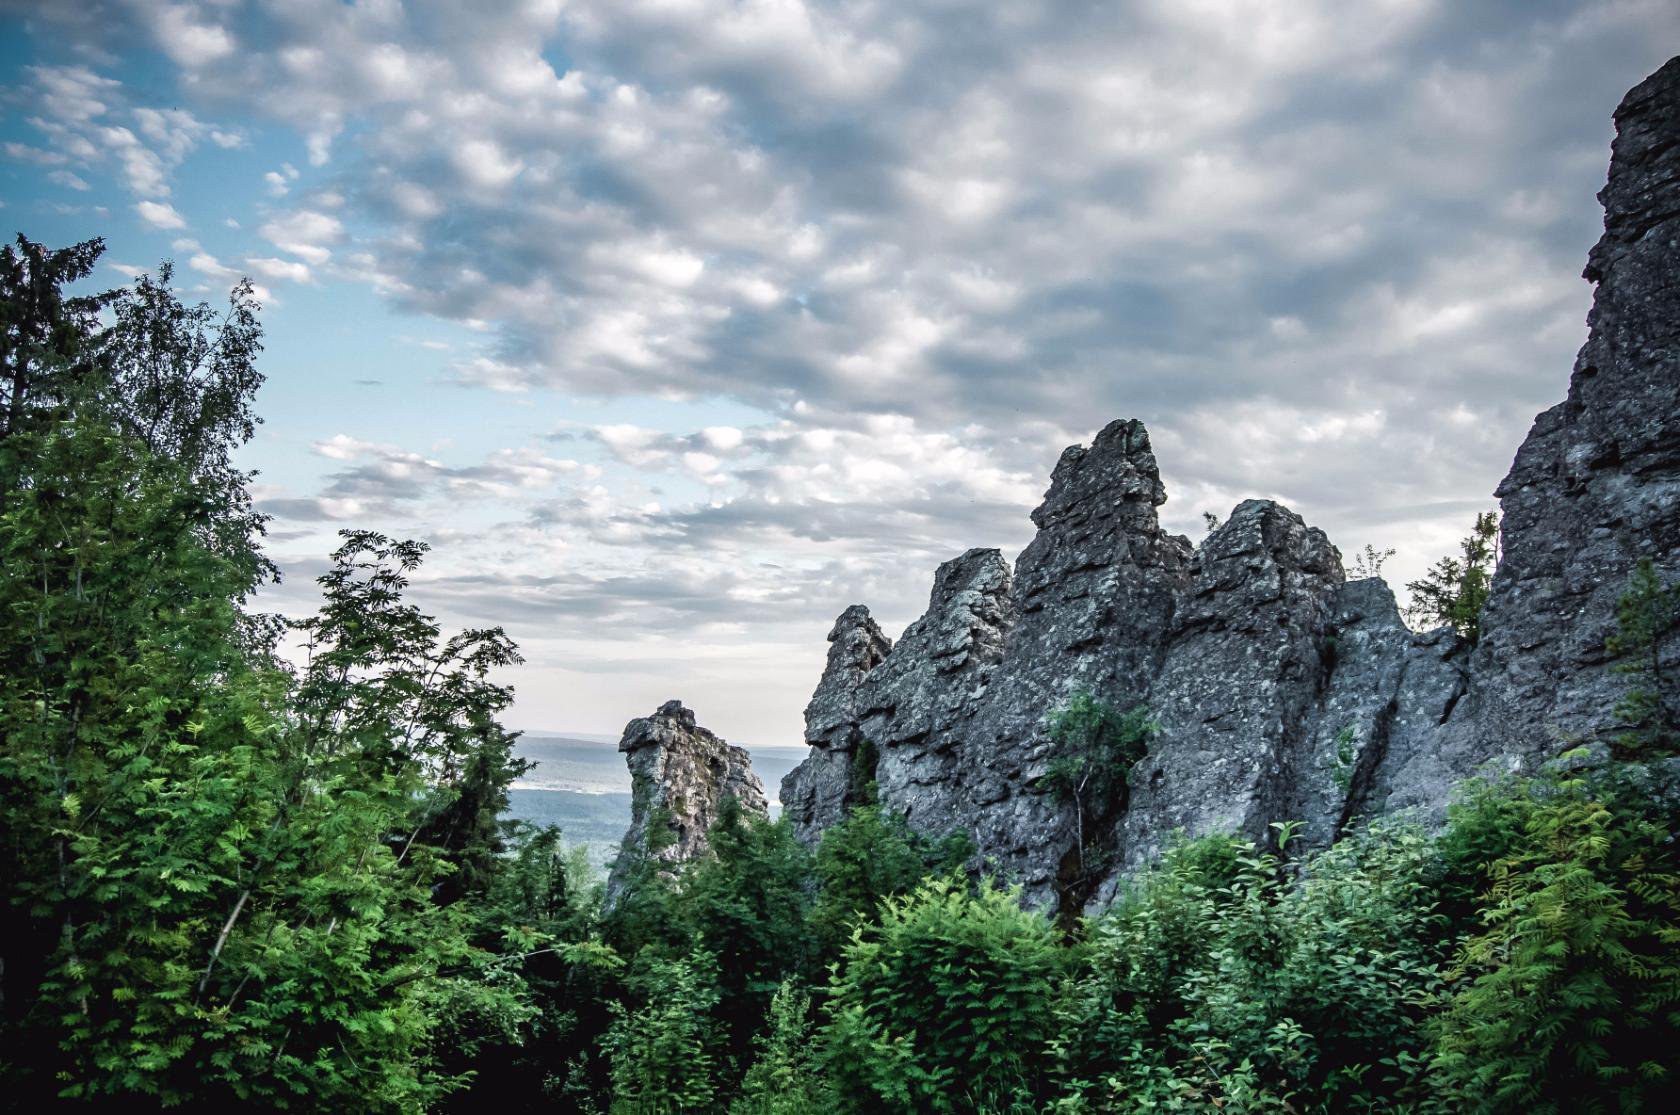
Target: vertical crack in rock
x,y
680,776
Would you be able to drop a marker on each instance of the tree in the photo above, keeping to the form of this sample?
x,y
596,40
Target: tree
x,y
1096,746
45,333
226,883
1453,591
745,904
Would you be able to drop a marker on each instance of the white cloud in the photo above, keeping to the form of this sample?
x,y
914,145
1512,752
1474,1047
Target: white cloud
x,y
187,40
305,233
279,269
483,163
160,214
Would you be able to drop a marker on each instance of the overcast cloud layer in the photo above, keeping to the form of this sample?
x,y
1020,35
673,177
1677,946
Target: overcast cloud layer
x,y
854,274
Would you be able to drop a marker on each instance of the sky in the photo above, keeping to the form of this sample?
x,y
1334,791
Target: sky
x,y
677,326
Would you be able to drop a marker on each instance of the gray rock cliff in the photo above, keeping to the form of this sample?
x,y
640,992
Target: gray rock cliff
x,y
828,786
1281,690
1596,485
680,776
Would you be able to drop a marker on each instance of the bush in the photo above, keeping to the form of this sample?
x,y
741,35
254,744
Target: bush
x,y
786,1077
1216,982
1567,998
861,862
661,1053
947,1005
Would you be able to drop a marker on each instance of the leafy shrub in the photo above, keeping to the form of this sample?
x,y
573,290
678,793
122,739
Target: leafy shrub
x,y
1646,617
865,859
662,1052
1217,982
947,1004
786,1077
1567,998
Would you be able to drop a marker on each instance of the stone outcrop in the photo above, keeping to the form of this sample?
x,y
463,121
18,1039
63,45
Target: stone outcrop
x,y
1596,485
829,785
680,776
1281,691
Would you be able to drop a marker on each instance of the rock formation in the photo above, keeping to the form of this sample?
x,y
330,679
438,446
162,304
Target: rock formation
x,y
680,776
1281,691
830,785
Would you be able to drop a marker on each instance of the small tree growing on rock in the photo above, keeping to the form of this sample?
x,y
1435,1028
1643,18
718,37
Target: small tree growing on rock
x,y
1096,747
1453,591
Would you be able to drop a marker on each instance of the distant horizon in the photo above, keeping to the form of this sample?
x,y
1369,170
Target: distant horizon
x,y
612,741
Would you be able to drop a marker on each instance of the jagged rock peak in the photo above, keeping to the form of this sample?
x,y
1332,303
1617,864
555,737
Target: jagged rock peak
x,y
820,791
969,611
680,776
856,646
1118,467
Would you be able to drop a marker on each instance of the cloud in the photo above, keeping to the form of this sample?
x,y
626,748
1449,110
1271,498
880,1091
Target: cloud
x,y
89,120
279,269
160,214
305,233
189,39
1329,252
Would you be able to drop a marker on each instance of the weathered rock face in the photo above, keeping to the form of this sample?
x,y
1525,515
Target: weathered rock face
x,y
1597,483
826,786
680,776
1281,691
1240,681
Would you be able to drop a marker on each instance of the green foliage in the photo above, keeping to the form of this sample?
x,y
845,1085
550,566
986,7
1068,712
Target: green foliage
x,y
1646,617
861,862
860,776
1567,998
661,1051
226,882
1215,981
1095,746
1454,589
1341,763
786,1077
745,905
947,1004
